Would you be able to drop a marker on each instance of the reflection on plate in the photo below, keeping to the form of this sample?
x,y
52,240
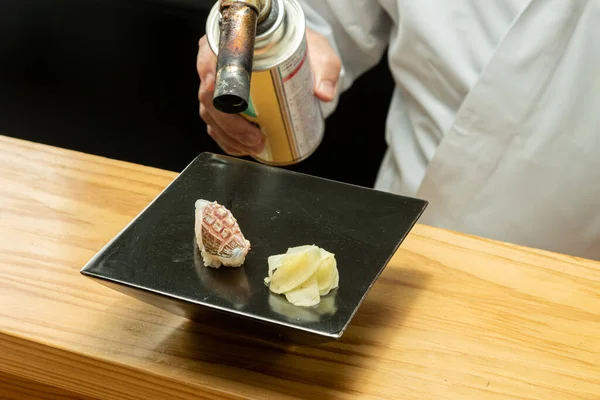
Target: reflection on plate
x,y
281,306
228,283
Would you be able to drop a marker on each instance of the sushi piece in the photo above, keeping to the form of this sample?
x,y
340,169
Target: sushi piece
x,y
219,236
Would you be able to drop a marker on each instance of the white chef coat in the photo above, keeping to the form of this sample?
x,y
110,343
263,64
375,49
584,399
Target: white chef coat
x,y
495,118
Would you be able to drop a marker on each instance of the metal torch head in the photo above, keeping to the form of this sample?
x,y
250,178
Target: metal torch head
x,y
239,20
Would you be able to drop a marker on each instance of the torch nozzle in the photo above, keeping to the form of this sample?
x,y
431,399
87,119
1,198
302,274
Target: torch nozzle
x,y
236,52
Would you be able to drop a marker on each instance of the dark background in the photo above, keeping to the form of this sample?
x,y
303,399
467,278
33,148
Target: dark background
x,y
117,78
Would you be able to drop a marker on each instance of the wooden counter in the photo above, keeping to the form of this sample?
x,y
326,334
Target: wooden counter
x,y
452,316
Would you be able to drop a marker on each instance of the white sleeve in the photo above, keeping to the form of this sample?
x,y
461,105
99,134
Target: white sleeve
x,y
358,30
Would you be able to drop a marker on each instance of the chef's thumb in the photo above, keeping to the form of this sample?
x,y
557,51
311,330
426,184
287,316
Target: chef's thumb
x,y
206,65
326,65
327,73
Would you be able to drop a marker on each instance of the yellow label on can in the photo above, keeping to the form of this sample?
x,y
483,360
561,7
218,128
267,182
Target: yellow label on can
x,y
265,112
284,107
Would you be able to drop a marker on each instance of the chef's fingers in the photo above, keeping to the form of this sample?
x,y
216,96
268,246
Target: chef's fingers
x,y
225,142
237,128
239,131
214,131
206,64
228,143
325,64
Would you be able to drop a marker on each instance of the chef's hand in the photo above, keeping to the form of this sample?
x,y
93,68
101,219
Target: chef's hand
x,y
234,134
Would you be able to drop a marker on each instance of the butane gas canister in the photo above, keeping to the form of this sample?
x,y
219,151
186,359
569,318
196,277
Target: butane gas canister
x,y
282,101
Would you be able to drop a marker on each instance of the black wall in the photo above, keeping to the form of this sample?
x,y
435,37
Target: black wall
x,y
117,78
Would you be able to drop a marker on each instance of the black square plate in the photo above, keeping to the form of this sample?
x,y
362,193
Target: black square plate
x,y
155,257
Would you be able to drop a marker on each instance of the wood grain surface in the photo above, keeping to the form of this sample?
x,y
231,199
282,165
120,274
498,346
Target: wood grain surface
x,y
452,316
16,388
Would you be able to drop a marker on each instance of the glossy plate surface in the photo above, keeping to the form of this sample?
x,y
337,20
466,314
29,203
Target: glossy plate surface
x,y
156,256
